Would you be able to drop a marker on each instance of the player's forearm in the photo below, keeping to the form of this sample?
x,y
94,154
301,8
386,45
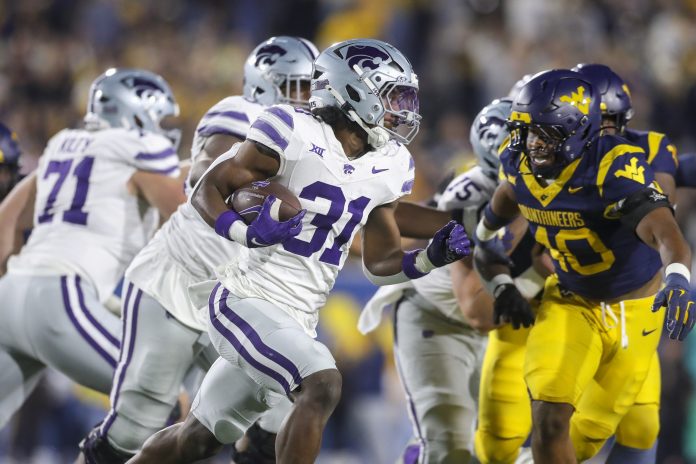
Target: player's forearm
x,y
659,230
209,202
417,221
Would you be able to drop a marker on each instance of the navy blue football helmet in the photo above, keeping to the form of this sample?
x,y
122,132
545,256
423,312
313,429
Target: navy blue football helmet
x,y
616,98
560,107
9,160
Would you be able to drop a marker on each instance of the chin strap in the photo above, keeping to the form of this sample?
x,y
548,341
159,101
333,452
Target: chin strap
x,y
377,136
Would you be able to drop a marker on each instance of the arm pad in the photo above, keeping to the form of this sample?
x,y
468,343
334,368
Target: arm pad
x,y
634,208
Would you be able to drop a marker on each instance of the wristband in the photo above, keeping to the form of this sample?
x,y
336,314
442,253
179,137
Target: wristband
x,y
497,281
678,268
495,220
483,233
231,226
408,264
530,283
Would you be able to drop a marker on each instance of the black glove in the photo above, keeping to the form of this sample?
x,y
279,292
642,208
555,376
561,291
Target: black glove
x,y
510,306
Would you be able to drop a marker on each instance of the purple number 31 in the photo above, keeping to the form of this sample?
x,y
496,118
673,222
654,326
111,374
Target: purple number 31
x,y
74,215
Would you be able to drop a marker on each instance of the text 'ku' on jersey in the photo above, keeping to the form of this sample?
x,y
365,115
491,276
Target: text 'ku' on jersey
x,y
575,217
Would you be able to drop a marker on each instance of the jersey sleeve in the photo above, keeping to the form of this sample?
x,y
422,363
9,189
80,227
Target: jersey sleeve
x,y
663,154
226,118
686,172
156,154
274,129
622,172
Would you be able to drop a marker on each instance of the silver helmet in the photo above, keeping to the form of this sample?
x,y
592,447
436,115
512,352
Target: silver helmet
x,y
488,132
275,70
131,98
373,83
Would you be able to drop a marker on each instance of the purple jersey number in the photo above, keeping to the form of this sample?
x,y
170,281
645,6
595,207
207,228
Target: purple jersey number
x,y
324,222
74,215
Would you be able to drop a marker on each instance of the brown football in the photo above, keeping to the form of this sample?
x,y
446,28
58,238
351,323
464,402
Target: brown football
x,y
248,199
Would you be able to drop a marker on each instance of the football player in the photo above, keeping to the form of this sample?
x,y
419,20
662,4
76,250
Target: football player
x,y
636,435
440,320
14,216
591,200
163,337
348,164
89,222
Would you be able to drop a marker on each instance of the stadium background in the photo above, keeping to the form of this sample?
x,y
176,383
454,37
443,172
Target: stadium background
x,y
466,53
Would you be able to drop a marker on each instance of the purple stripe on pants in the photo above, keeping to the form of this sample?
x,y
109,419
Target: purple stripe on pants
x,y
411,404
80,296
229,336
68,308
123,365
255,339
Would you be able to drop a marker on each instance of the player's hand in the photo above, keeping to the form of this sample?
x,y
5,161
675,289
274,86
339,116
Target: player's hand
x,y
679,301
265,231
449,244
510,306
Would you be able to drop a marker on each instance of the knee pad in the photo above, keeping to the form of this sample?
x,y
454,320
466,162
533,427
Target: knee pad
x,y
588,437
96,449
491,449
260,447
639,427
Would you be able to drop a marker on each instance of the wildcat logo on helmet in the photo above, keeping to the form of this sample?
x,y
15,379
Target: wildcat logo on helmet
x,y
365,56
578,99
269,54
141,85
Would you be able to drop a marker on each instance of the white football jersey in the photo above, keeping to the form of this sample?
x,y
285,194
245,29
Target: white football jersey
x,y
186,250
230,116
338,193
86,221
469,191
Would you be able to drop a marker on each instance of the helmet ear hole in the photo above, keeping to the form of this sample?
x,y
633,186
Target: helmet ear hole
x,y
352,93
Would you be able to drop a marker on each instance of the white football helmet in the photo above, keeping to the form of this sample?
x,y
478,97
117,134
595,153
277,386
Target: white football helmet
x,y
131,98
276,69
488,132
374,84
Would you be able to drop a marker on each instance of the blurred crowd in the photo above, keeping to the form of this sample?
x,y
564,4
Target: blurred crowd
x,y
466,53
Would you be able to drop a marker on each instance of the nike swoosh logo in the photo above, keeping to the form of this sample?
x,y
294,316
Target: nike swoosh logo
x,y
648,332
377,171
253,240
574,189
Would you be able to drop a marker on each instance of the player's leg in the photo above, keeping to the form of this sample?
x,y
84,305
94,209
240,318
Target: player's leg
x,y
564,350
76,334
20,371
226,404
19,375
505,412
157,353
636,436
277,353
438,361
618,381
257,446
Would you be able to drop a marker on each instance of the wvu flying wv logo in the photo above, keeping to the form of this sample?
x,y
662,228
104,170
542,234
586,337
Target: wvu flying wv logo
x,y
578,99
632,171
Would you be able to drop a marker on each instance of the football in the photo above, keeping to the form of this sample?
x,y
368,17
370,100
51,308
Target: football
x,y
248,199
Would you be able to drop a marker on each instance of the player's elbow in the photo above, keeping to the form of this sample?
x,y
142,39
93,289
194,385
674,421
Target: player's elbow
x,y
379,276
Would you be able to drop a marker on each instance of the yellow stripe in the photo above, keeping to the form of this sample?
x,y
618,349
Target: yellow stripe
x,y
608,160
546,194
654,141
2,156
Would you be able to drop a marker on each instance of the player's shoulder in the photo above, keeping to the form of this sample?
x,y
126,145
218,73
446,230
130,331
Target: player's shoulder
x,y
235,107
609,147
472,188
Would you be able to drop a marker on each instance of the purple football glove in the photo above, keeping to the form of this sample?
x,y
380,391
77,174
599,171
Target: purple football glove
x,y
449,244
265,231
677,298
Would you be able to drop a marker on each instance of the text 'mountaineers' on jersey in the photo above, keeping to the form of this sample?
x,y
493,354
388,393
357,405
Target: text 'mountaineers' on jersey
x,y
86,221
338,193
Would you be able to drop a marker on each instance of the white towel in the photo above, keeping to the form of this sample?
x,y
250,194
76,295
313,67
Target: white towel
x,y
386,295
